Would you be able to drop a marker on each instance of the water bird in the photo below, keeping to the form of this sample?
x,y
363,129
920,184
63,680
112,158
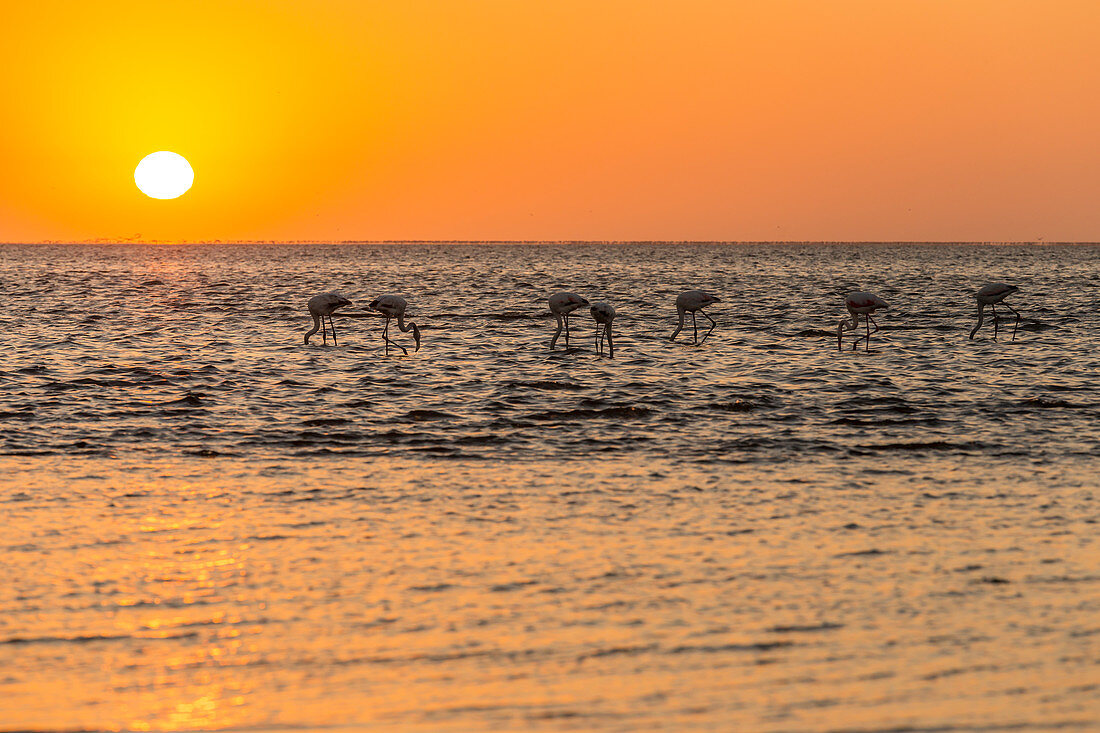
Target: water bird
x,y
561,305
320,307
694,301
604,313
393,306
859,304
991,295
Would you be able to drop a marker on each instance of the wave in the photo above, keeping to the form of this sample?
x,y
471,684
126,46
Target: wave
x,y
931,445
189,400
735,406
1044,403
580,414
427,415
547,384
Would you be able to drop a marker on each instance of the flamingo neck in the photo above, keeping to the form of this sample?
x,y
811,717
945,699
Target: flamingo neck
x,y
410,327
679,326
981,319
316,325
561,326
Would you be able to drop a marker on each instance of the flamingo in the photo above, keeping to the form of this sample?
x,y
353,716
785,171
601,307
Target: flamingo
x,y
859,303
991,295
561,305
320,307
694,301
605,314
393,306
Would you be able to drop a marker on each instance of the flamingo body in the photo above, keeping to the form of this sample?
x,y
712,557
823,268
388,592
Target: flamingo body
x,y
995,293
859,303
991,295
561,305
694,301
323,306
603,314
393,306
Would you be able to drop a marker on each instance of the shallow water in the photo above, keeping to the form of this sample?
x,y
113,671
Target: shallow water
x,y
211,525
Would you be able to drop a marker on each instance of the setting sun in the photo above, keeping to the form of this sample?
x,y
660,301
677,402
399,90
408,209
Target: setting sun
x,y
164,175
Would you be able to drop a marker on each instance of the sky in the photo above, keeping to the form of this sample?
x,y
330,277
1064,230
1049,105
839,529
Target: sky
x,y
558,119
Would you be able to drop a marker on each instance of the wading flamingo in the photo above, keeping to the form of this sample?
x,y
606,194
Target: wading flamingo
x,y
991,295
859,304
393,306
604,314
694,301
561,305
321,307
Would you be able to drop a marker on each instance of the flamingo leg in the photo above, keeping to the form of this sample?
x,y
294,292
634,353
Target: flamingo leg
x,y
713,323
695,326
333,327
1006,305
867,336
386,336
599,347
996,321
873,323
567,330
324,331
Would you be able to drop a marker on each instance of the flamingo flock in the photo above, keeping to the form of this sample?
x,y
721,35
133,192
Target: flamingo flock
x,y
562,304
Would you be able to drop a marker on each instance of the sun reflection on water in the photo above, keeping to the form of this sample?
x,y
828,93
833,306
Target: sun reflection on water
x,y
535,597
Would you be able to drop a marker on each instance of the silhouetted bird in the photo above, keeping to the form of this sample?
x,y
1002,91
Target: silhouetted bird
x,y
604,314
859,304
561,305
393,306
694,301
991,295
320,307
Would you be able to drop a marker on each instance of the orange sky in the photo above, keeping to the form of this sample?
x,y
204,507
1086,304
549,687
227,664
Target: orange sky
x,y
557,119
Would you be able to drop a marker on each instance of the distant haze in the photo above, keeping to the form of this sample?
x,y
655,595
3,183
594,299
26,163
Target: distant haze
x,y
497,119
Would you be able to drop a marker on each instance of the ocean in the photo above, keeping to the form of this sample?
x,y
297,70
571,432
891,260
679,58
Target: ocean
x,y
210,525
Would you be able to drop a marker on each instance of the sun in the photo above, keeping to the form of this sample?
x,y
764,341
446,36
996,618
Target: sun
x,y
164,175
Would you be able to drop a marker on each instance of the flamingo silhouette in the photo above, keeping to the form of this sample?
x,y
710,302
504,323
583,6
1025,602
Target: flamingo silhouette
x,y
604,314
859,304
991,295
320,307
561,305
694,301
393,306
